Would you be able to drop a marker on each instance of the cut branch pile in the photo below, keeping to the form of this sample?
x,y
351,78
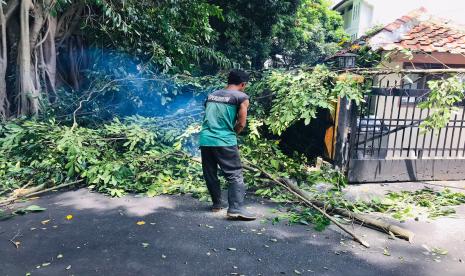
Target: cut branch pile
x,y
326,209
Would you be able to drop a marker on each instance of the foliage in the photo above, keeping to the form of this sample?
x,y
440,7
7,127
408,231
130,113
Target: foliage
x,y
176,35
136,155
300,94
309,35
279,164
246,33
304,216
441,101
374,30
119,87
366,57
351,87
287,32
113,159
406,204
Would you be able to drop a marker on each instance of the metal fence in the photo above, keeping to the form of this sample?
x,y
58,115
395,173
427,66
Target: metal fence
x,y
386,143
387,127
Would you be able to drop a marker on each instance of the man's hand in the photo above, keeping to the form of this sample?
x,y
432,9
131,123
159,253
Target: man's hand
x,y
241,117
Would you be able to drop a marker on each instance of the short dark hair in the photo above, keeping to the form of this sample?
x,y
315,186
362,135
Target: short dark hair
x,y
237,77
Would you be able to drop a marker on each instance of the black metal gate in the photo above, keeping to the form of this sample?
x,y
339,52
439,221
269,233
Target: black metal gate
x,y
387,145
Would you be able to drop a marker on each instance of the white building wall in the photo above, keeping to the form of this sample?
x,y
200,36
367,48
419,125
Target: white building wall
x,y
383,12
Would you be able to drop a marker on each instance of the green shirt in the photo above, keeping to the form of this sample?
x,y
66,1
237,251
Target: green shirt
x,y
220,118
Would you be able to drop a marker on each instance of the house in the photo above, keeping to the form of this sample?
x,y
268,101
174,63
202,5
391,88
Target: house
x,y
386,142
362,16
433,43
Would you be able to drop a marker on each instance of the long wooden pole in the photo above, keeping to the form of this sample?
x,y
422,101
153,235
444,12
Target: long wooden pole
x,y
324,208
361,218
309,203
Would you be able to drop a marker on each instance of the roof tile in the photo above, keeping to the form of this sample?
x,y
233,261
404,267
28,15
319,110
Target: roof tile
x,y
429,35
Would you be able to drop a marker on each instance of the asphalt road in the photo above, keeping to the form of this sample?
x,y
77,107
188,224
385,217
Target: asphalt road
x,y
108,236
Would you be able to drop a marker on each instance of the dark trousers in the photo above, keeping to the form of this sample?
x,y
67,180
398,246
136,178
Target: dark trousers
x,y
228,159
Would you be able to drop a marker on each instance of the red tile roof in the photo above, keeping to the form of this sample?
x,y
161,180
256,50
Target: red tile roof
x,y
420,31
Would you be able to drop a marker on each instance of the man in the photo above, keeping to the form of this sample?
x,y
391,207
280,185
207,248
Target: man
x,y
225,117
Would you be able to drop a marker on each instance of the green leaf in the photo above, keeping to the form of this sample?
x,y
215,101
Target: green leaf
x,y
34,208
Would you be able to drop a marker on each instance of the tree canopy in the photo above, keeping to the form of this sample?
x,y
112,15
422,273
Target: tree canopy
x,y
48,46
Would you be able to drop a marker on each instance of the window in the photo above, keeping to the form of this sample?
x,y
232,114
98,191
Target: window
x,y
347,16
355,12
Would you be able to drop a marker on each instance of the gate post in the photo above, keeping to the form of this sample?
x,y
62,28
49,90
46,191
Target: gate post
x,y
343,128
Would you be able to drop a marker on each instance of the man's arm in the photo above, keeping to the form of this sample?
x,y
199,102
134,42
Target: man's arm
x,y
241,116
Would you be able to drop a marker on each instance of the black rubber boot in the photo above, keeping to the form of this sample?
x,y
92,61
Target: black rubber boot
x,y
240,215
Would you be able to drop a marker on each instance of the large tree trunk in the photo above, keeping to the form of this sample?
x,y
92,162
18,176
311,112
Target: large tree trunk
x,y
4,104
50,57
28,94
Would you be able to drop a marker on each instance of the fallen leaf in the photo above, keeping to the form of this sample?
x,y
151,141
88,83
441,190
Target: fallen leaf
x,y
34,208
45,221
69,217
439,251
386,252
141,222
